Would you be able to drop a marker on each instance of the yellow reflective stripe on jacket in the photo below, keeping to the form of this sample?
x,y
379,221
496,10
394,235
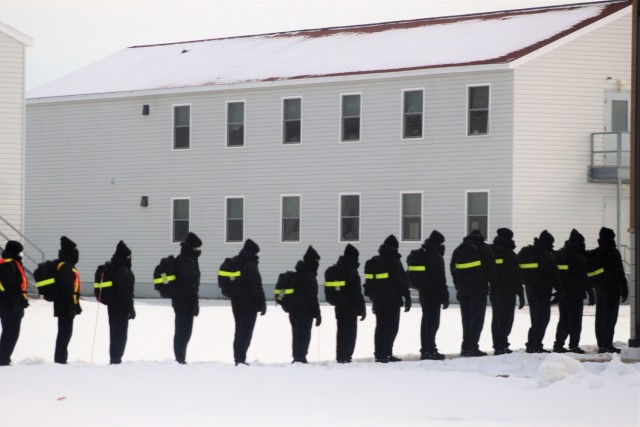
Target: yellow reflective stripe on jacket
x,y
377,276
529,265
283,291
335,284
563,267
102,285
1,287
164,279
499,261
595,272
45,282
471,264
417,268
229,273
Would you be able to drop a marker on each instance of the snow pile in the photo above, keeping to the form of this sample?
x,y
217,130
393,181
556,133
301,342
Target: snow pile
x,y
556,367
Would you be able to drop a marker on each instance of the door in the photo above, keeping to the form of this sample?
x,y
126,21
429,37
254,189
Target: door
x,y
616,119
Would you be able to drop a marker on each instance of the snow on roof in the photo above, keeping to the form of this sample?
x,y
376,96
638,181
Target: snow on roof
x,y
475,39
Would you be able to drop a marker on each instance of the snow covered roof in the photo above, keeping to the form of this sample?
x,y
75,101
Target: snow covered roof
x,y
432,43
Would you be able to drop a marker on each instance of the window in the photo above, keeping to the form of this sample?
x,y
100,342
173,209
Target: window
x,y
412,113
349,218
181,126
412,216
292,121
180,222
478,103
235,124
290,219
619,116
235,219
478,212
350,117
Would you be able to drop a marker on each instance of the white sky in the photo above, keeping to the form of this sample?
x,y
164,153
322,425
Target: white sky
x,y
69,34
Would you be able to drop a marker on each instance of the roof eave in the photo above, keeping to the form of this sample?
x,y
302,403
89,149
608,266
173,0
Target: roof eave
x,y
15,34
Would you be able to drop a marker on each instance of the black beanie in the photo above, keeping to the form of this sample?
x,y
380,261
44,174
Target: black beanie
x,y
122,251
392,241
311,255
477,233
505,233
546,238
193,240
350,251
576,237
66,244
251,246
13,247
435,238
607,234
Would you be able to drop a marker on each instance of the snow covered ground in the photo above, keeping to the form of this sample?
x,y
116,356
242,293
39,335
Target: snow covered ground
x,y
150,389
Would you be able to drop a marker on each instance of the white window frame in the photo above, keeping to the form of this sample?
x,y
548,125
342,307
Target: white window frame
x,y
282,196
354,141
466,210
282,141
171,208
467,111
340,217
421,137
244,123
173,126
421,193
226,219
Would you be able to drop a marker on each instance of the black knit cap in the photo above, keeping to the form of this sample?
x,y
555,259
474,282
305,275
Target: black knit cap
x,y
576,237
13,247
193,240
607,234
392,241
477,233
311,255
67,245
122,251
505,233
251,246
546,238
435,238
350,251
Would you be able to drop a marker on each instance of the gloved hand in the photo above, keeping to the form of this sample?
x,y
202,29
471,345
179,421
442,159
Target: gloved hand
x,y
624,294
77,309
445,304
554,298
520,302
196,311
407,303
592,297
263,309
318,320
363,315
132,313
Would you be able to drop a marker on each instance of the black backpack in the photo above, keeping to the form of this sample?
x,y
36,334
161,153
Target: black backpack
x,y
285,291
335,285
45,277
377,279
529,266
103,284
417,269
595,267
230,278
164,277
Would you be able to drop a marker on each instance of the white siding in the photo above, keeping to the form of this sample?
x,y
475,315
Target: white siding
x,y
559,102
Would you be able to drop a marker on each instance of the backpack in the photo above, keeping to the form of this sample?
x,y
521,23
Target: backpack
x,y
417,269
285,289
335,282
103,284
595,267
45,277
164,277
529,266
230,278
377,283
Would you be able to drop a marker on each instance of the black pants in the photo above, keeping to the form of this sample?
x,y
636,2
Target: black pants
x,y
301,324
540,313
245,322
65,330
10,321
607,307
429,327
118,329
502,312
387,324
182,335
347,322
473,309
570,323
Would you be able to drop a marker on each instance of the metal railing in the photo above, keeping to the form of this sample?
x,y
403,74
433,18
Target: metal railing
x,y
610,149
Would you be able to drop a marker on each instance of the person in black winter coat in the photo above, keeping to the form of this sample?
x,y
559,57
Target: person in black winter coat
x,y
66,304
387,304
121,308
13,299
473,270
427,275
350,306
249,303
611,288
185,301
574,287
504,289
540,277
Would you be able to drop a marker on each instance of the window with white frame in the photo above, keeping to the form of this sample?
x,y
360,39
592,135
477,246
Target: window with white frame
x,y
181,126
292,121
412,112
478,211
349,218
478,115
290,219
180,220
235,124
350,117
235,219
412,216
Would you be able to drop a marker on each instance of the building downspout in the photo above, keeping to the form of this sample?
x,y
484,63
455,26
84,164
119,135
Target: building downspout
x,y
634,341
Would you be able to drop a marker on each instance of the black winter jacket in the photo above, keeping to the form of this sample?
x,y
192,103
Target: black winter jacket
x,y
353,285
397,275
433,282
12,298
508,278
307,289
123,285
67,301
187,281
542,280
469,280
253,300
572,266
614,281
